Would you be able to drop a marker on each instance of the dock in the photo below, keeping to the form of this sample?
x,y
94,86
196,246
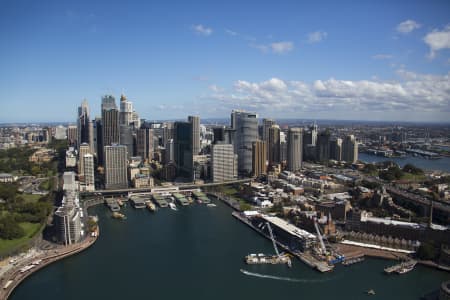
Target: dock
x,y
112,204
305,257
138,202
160,200
181,199
201,197
353,260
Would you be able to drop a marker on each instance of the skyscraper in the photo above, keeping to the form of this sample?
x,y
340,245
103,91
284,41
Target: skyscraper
x,y
246,126
110,121
267,123
273,144
89,180
350,149
195,121
116,167
72,135
144,143
323,146
259,158
84,149
223,163
126,111
183,153
127,138
336,149
294,149
83,123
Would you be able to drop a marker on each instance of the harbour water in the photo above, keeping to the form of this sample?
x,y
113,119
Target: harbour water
x,y
197,253
442,164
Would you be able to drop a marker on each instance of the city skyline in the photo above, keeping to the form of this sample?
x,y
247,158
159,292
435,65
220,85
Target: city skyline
x,y
365,61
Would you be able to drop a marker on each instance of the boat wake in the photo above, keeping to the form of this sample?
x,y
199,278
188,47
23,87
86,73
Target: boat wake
x,y
282,278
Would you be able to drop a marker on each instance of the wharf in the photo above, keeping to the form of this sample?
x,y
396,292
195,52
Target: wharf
x,y
303,256
112,204
353,260
160,200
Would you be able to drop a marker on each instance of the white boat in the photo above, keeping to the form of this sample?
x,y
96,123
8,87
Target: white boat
x,y
406,267
173,206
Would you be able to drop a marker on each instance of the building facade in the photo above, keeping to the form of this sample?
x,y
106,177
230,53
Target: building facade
x,y
223,163
116,167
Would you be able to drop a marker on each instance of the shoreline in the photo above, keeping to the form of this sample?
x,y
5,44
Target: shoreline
x,y
47,259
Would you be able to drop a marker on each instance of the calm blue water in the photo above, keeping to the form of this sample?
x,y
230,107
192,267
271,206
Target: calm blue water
x,y
442,164
197,253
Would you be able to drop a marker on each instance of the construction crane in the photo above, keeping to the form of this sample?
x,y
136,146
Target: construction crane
x,y
272,238
322,244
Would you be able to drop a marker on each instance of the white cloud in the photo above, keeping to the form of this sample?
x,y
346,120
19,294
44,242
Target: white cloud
x,y
411,94
202,30
407,26
282,47
277,48
231,32
317,36
438,40
382,56
215,88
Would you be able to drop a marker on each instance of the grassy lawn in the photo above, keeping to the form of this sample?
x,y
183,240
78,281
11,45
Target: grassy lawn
x,y
30,197
413,177
45,185
229,190
10,245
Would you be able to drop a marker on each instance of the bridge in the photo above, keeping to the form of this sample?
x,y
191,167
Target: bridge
x,y
181,187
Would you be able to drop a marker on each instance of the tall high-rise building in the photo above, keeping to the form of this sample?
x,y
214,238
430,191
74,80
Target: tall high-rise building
x,y
223,163
218,134
83,123
259,158
314,131
273,144
195,121
170,152
183,153
323,146
110,121
126,111
336,149
72,135
144,143
84,149
127,138
350,149
89,179
294,149
116,167
98,139
246,126
267,123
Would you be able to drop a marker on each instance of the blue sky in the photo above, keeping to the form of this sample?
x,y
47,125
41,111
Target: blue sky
x,y
364,60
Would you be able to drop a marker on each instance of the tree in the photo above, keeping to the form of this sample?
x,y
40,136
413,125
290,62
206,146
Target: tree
x,y
409,168
10,229
427,251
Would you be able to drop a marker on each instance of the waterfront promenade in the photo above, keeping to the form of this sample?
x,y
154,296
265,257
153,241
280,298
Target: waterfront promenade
x,y
15,276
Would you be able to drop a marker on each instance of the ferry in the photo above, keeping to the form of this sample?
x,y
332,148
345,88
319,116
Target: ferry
x,y
117,215
151,207
172,206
